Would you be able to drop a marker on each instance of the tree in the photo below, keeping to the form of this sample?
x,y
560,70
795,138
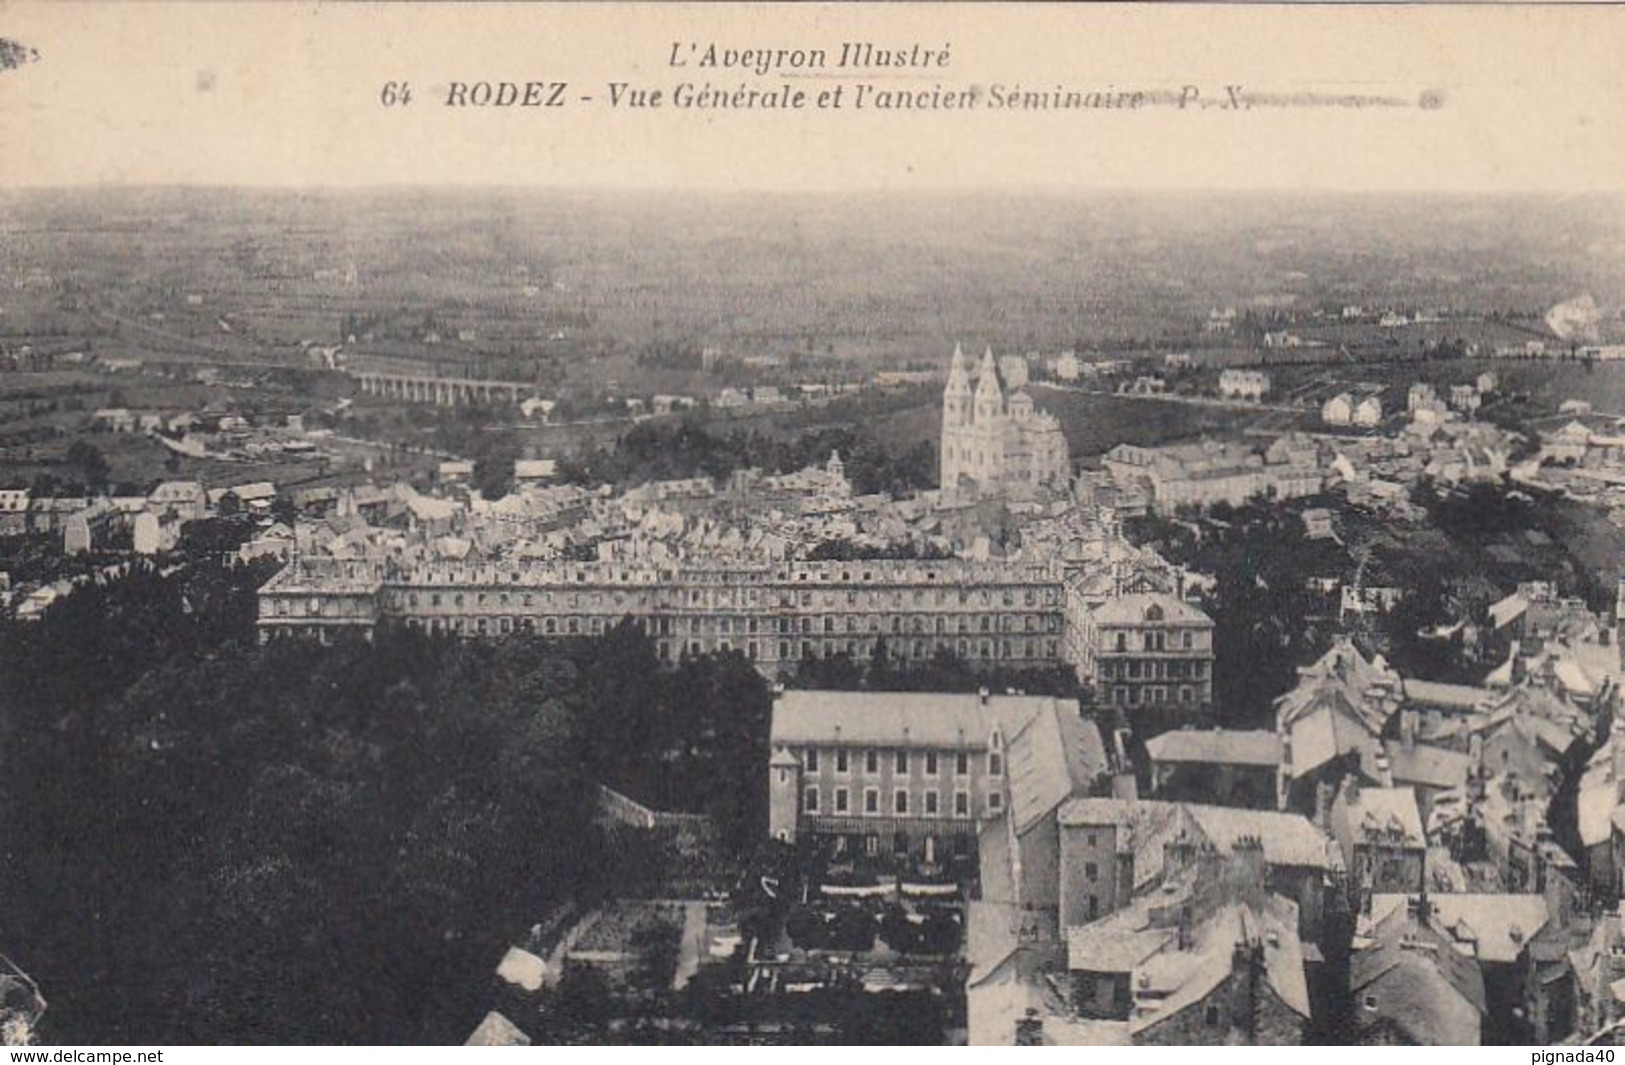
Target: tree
x,y
92,465
494,466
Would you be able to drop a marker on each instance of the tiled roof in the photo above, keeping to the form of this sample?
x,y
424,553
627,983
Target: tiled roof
x,y
1054,756
914,719
1451,696
1218,747
1384,809
1430,766
1131,610
1493,928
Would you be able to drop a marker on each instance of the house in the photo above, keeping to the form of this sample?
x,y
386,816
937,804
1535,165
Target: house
x,y
1421,396
1251,385
1380,833
537,409
255,497
1486,382
1225,767
1151,649
151,533
1215,958
534,471
90,528
1367,413
454,471
1056,756
1412,986
1066,366
1531,734
185,499
1567,445
1116,850
904,777
1331,721
1428,770
277,541
114,419
664,404
1465,398
1339,410
14,511
1317,524
1598,966
1507,935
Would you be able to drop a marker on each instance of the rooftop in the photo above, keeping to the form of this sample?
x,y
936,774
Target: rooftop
x,y
1218,746
904,719
1493,928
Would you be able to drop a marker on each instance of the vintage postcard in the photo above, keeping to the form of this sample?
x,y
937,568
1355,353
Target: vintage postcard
x,y
778,524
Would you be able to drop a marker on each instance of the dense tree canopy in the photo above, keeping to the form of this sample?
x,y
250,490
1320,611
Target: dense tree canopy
x,y
669,450
210,840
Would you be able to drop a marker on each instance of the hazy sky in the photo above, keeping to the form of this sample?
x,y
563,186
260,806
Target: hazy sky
x,y
288,95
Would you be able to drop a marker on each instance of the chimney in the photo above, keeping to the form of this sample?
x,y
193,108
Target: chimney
x,y
1187,936
1323,805
1407,728
1351,790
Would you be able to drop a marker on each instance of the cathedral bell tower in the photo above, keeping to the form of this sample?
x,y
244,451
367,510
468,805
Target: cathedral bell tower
x,y
956,416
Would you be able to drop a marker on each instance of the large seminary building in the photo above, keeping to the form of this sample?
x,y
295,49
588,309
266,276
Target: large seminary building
x,y
997,445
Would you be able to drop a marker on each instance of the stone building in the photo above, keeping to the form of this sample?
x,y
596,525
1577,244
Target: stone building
x,y
994,444
1002,613
900,776
1149,649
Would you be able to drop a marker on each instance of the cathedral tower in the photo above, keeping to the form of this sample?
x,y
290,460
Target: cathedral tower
x,y
956,416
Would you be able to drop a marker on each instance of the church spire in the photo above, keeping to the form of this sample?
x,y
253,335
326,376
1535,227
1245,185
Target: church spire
x,y
958,379
988,382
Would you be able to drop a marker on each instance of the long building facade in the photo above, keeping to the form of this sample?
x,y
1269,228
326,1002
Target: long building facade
x,y
989,614
1008,614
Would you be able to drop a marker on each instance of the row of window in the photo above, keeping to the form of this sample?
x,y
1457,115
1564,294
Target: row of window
x,y
902,802
666,650
896,599
1155,640
956,843
901,759
318,606
850,623
1044,650
1152,669
1151,695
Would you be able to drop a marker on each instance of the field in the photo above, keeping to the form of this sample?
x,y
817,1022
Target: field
x,y
506,281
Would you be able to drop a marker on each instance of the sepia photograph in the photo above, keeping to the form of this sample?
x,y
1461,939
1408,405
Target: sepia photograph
x,y
934,524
